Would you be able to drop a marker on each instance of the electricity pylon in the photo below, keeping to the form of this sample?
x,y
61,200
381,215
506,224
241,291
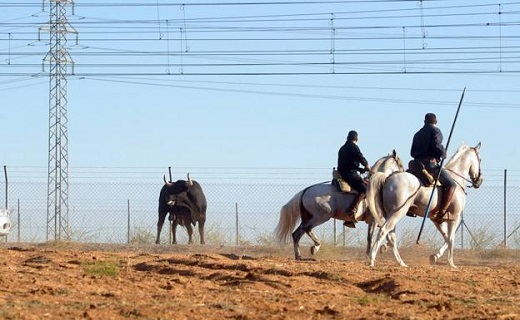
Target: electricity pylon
x,y
58,59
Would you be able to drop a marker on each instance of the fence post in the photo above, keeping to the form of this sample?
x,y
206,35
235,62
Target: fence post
x,y
128,225
505,208
335,234
6,196
461,224
6,189
344,236
236,222
18,210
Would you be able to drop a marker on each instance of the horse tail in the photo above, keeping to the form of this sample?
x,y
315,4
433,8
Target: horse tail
x,y
374,197
290,215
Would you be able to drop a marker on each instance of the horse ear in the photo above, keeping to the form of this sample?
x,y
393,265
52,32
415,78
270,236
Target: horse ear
x,y
478,146
394,153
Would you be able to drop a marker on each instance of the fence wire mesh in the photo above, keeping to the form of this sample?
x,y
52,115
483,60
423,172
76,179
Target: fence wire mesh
x,y
241,211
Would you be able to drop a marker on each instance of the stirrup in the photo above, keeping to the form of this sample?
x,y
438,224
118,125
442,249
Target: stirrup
x,y
349,224
440,216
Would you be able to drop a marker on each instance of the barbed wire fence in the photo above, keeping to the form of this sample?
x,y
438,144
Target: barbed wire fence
x,y
243,209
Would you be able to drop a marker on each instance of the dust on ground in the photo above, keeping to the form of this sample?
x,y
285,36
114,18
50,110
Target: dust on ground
x,y
99,281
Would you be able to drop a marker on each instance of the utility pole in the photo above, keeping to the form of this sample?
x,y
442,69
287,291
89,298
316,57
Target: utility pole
x,y
58,59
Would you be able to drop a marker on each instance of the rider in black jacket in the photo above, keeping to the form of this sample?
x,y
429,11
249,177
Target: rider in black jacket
x,y
427,148
349,160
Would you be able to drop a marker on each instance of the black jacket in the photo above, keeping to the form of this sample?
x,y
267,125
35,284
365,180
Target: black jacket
x,y
349,158
427,143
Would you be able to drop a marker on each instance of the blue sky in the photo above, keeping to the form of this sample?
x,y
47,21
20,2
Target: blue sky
x,y
381,66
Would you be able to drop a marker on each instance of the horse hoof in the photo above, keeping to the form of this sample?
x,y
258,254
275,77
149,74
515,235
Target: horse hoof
x,y
383,249
433,259
314,249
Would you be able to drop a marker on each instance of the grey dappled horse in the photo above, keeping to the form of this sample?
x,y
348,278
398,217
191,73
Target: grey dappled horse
x,y
390,197
318,203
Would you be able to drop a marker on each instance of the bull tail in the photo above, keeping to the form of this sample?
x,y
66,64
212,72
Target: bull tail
x,y
290,215
374,197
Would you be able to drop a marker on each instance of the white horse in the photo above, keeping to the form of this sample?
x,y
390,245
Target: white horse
x,y
5,222
391,197
318,203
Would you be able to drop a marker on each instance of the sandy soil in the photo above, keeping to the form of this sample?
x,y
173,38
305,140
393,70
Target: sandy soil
x,y
73,281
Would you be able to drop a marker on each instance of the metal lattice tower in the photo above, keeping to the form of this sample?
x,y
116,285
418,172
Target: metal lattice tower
x,y
58,60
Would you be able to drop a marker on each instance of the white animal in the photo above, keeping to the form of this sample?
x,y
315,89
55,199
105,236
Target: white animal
x,y
318,203
391,197
5,222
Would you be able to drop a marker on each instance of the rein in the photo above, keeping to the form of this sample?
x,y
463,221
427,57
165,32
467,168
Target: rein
x,y
460,176
472,181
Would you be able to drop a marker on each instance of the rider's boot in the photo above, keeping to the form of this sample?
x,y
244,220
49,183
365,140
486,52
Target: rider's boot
x,y
447,197
354,208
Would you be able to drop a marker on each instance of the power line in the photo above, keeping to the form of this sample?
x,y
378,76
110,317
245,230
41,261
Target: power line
x,y
322,96
210,4
226,38
155,82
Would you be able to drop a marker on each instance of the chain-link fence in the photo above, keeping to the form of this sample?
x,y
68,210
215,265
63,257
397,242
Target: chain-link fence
x,y
242,212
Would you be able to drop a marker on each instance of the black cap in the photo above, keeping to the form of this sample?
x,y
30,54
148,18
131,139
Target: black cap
x,y
430,118
352,136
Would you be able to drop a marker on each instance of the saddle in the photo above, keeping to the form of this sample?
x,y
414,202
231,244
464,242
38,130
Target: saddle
x,y
340,183
417,169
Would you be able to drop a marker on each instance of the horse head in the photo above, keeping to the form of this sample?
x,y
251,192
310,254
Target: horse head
x,y
475,171
466,161
389,164
399,163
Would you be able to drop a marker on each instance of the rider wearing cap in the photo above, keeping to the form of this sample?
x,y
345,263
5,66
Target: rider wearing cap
x,y
349,160
427,148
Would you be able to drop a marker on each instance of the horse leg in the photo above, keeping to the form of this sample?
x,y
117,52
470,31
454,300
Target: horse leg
x,y
380,238
310,224
370,236
297,235
392,240
316,247
388,227
201,231
371,239
452,228
442,227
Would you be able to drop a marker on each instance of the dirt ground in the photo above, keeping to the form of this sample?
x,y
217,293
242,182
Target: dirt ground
x,y
78,281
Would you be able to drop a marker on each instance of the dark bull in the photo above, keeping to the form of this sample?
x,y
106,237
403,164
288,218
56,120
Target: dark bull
x,y
186,204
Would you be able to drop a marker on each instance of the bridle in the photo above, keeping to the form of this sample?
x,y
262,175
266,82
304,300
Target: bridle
x,y
475,182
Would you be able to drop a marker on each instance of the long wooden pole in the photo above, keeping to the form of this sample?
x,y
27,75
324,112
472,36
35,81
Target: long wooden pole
x,y
427,212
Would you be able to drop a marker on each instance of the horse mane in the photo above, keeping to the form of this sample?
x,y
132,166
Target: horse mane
x,y
380,161
393,155
458,154
399,161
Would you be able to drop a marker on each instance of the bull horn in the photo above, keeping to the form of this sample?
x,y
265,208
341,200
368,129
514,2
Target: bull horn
x,y
189,180
166,182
